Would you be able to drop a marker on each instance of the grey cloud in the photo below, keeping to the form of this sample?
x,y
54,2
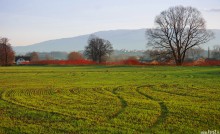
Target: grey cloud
x,y
213,10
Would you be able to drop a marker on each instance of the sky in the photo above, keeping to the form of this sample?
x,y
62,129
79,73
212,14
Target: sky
x,y
26,22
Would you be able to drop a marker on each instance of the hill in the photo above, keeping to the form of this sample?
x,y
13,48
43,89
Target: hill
x,y
121,39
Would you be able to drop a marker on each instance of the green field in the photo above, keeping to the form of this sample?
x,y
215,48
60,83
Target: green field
x,y
106,99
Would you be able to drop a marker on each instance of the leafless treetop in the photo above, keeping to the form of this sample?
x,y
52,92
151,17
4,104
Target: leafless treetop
x,y
178,29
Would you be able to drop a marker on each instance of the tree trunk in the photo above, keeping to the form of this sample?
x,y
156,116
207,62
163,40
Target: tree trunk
x,y
100,59
6,56
179,62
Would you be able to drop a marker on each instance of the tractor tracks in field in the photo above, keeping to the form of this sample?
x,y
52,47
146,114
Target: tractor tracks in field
x,y
178,94
163,107
6,97
114,93
164,110
122,101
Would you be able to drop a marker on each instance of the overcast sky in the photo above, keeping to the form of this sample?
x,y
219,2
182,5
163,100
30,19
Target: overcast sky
x,y
26,22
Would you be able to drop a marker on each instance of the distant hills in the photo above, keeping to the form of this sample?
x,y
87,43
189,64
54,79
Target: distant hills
x,y
120,39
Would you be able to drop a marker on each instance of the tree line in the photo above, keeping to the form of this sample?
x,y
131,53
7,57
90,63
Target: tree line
x,y
177,31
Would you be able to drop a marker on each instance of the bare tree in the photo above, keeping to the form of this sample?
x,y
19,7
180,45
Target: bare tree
x,y
75,56
177,30
216,52
98,49
7,55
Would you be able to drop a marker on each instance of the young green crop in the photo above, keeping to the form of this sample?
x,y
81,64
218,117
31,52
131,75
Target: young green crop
x,y
109,99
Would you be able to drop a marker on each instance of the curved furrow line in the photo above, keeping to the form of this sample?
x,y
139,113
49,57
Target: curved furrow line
x,y
4,96
118,105
104,94
163,107
84,95
1,92
123,103
7,130
185,76
178,94
151,87
29,92
32,92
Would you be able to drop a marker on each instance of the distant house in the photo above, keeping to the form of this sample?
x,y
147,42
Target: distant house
x,y
22,59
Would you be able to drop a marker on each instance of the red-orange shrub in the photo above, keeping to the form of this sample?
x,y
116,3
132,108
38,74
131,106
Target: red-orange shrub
x,y
63,62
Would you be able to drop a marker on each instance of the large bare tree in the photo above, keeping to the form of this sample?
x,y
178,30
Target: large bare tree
x,y
98,49
6,53
177,30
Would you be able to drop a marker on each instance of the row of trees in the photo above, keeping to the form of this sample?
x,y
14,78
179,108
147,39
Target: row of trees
x,y
177,30
98,50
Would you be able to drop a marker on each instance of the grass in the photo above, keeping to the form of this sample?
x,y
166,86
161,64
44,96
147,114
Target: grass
x,y
109,99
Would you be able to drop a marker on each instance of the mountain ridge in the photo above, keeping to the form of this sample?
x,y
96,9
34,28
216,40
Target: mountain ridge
x,y
129,39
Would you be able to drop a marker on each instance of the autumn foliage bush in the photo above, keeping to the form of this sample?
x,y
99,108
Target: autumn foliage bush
x,y
204,62
131,61
63,62
211,62
82,62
